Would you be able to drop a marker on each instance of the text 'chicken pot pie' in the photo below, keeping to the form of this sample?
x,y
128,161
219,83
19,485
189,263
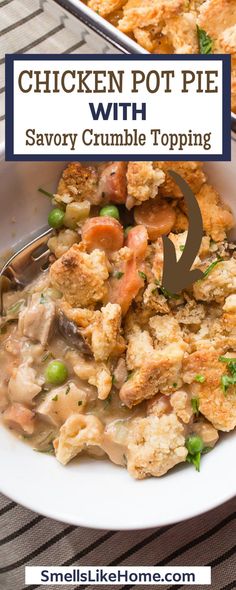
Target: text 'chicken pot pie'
x,y
95,355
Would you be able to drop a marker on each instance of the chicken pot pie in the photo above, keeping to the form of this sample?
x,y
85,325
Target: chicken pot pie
x,y
96,356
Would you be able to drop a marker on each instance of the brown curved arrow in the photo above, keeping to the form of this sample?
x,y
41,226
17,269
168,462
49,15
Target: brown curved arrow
x,y
177,275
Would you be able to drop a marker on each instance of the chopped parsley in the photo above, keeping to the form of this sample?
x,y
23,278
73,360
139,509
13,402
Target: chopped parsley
x,y
195,405
46,193
54,399
227,359
142,275
230,379
182,246
204,41
199,378
164,291
211,266
174,384
226,381
194,460
67,390
118,274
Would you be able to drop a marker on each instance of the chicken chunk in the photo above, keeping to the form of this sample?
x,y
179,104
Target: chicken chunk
x,y
80,276
217,407
23,385
218,284
155,446
115,441
37,319
20,418
158,372
191,172
77,434
143,181
61,402
217,218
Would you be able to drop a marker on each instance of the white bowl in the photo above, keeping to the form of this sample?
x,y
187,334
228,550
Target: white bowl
x,y
89,492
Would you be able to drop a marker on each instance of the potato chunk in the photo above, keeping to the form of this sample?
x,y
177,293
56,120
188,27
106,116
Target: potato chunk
x,y
61,402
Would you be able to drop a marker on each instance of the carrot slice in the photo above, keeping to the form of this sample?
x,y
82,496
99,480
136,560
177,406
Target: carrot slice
x,y
105,233
113,183
125,286
157,216
137,241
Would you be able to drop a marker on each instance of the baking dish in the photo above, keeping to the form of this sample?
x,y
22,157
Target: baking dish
x,y
88,493
99,25
120,42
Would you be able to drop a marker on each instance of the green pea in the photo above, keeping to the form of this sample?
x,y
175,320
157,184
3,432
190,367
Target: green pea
x,y
56,218
194,444
127,230
110,211
56,373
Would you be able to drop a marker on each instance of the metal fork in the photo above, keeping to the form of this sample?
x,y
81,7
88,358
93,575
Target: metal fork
x,y
23,267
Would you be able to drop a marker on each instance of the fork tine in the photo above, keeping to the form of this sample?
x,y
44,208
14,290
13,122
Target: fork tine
x,y
22,267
